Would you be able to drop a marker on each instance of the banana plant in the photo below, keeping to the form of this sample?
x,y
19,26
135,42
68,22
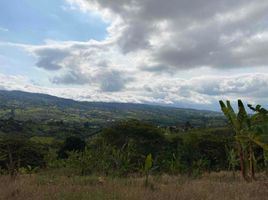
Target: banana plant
x,y
250,130
259,128
239,122
148,164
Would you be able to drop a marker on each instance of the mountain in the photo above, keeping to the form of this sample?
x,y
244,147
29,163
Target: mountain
x,y
25,106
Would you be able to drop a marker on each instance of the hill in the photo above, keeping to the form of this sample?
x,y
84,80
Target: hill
x,y
33,106
46,109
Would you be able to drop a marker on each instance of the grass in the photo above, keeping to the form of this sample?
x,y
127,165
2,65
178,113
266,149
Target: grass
x,y
214,186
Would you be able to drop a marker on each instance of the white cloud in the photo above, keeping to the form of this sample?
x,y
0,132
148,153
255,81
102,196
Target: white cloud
x,y
92,63
203,92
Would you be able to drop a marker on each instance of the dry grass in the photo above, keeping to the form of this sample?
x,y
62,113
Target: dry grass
x,y
214,186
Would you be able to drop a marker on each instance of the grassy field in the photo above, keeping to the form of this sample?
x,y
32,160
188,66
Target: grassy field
x,y
214,186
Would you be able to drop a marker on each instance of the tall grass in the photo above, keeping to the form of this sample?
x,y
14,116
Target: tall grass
x,y
215,186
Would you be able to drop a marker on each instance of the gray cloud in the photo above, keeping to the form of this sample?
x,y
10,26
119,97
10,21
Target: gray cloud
x,y
155,68
72,78
135,37
175,34
50,58
112,81
195,33
81,64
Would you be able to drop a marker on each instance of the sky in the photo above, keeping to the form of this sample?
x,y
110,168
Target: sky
x,y
184,53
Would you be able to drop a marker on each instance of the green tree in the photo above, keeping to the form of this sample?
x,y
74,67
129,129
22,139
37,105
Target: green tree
x,y
144,137
20,152
72,143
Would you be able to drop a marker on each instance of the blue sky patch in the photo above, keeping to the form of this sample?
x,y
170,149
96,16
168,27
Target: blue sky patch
x,y
31,21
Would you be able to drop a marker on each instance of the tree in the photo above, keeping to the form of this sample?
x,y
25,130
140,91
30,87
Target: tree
x,y
72,143
187,126
144,137
19,152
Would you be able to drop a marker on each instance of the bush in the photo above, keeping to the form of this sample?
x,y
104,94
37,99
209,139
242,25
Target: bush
x,y
72,143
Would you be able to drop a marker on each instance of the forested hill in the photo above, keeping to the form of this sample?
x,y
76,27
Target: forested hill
x,y
25,106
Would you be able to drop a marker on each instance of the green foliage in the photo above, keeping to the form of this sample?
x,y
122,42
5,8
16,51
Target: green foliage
x,y
250,131
44,115
52,161
205,146
16,153
171,136
144,137
72,143
122,149
233,161
199,166
148,164
175,165
43,140
28,170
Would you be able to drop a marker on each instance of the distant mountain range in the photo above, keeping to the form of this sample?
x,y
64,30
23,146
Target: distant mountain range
x,y
41,107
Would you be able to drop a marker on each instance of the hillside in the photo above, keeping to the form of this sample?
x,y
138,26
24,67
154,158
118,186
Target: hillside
x,y
32,106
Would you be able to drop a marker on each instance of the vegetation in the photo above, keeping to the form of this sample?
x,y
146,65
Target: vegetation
x,y
38,114
121,150
249,130
138,151
148,164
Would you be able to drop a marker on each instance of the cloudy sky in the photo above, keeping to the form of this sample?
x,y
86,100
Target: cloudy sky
x,y
186,53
